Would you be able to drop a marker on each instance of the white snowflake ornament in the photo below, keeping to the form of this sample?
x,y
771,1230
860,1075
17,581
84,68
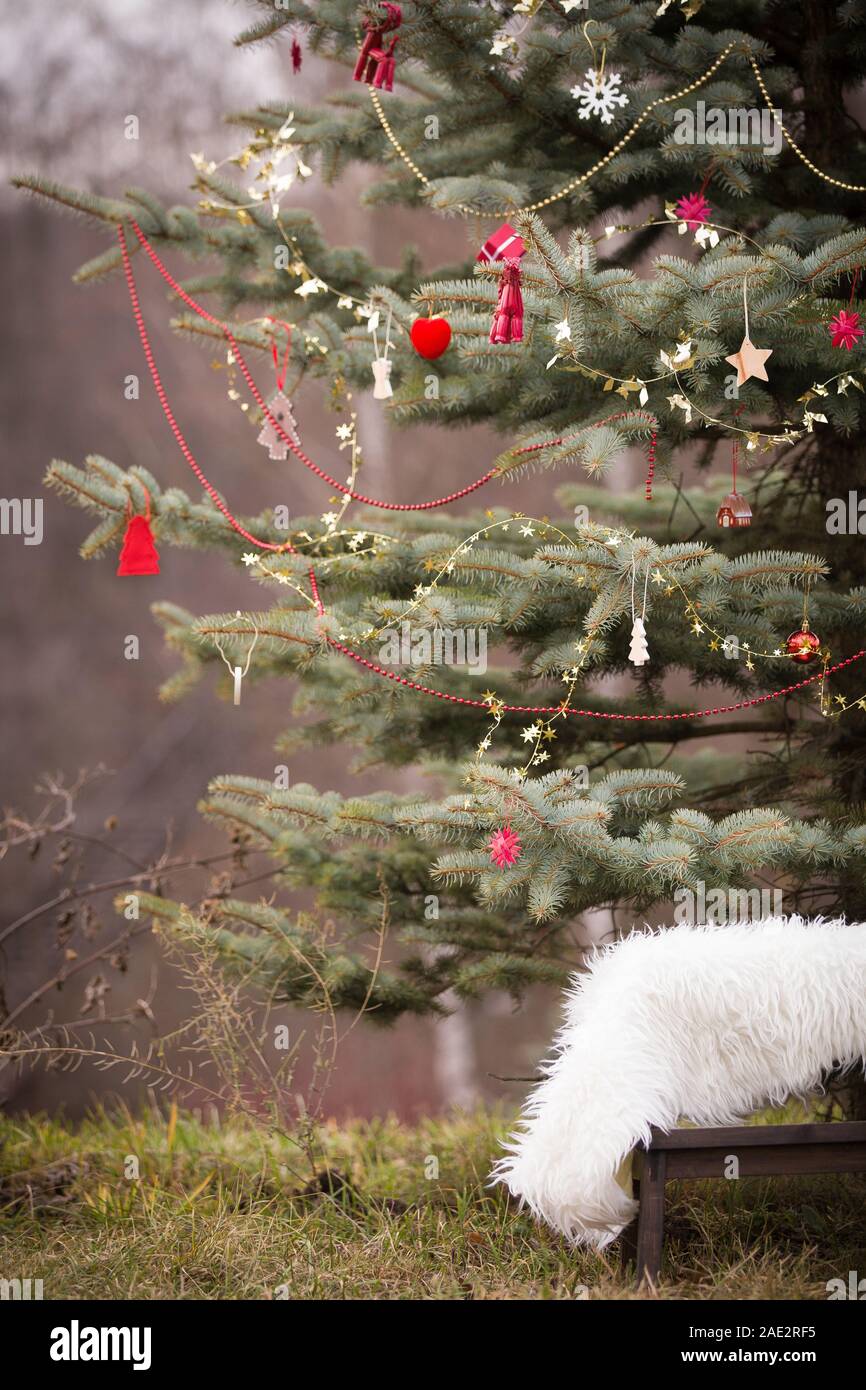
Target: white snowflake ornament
x,y
599,95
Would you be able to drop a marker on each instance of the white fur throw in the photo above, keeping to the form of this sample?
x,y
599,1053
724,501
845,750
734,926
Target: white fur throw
x,y
697,1023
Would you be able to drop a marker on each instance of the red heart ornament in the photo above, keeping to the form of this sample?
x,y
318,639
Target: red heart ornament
x,y
430,337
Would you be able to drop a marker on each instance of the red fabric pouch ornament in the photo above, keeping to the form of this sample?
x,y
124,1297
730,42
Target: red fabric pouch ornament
x,y
376,63
506,246
138,554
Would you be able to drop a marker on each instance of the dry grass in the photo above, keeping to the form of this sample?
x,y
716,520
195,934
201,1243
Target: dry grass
x,y
216,1214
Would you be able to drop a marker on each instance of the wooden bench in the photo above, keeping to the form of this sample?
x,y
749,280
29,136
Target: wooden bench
x,y
761,1151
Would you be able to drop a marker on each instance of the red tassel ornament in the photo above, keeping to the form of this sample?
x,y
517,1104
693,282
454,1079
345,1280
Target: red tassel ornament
x,y
138,554
507,326
297,56
376,63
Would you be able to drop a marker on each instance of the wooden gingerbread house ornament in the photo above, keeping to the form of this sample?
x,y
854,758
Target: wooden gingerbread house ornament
x,y
734,511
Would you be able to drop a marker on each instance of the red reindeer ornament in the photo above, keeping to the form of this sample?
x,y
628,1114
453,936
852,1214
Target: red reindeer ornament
x,y
376,63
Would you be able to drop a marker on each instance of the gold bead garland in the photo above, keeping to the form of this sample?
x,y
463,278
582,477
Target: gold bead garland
x,y
542,730
837,183
620,144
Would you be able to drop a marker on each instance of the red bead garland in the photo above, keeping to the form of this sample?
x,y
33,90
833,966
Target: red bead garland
x,y
286,546
166,408
609,420
262,404
592,713
651,467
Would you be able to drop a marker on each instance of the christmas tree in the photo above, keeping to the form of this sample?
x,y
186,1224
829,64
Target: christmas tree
x,y
663,205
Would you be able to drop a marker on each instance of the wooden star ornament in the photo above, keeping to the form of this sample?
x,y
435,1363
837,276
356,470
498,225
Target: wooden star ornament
x,y
749,361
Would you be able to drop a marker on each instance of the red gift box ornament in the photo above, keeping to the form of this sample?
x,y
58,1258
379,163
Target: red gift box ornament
x,y
506,247
138,554
504,242
376,63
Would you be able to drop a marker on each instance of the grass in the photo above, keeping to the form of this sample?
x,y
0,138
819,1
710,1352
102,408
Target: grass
x,y
215,1214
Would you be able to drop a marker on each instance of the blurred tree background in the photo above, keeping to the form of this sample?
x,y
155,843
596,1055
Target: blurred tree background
x,y
70,700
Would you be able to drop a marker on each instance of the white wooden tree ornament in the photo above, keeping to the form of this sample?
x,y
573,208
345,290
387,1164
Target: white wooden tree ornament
x,y
280,409
638,652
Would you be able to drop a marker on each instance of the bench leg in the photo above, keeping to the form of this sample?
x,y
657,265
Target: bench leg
x,y
651,1219
628,1239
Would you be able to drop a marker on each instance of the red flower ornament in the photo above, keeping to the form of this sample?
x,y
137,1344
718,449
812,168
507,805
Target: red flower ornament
x,y
505,847
693,209
845,329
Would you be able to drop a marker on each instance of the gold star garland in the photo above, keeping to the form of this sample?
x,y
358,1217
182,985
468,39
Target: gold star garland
x,y
681,359
707,233
542,731
266,147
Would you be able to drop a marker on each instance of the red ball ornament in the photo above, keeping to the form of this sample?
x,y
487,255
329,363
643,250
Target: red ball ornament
x,y
803,645
430,337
